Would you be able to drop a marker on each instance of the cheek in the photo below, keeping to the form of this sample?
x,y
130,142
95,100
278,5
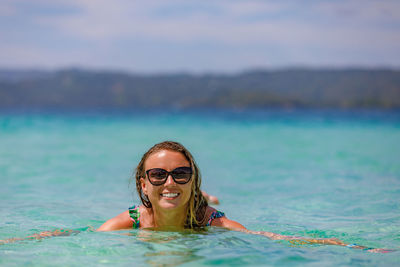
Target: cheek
x,y
188,189
150,189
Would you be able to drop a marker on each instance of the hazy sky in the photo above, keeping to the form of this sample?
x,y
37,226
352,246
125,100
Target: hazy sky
x,y
198,36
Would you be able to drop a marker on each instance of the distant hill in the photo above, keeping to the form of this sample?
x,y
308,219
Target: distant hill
x,y
75,89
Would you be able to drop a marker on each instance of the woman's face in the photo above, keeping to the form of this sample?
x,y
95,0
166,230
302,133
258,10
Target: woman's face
x,y
169,195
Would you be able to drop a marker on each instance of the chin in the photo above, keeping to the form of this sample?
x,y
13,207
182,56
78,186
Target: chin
x,y
169,205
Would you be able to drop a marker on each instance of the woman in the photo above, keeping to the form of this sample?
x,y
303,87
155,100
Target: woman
x,y
168,183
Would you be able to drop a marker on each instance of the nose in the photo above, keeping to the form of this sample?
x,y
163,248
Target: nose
x,y
169,180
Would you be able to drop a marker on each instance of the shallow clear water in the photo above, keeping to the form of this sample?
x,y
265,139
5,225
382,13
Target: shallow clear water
x,y
331,174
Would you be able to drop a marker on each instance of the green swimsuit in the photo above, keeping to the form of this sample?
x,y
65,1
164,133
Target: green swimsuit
x,y
135,216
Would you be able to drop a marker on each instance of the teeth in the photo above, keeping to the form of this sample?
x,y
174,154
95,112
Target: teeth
x,y
170,195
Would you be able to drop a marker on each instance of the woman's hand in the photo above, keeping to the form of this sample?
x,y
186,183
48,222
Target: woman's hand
x,y
380,250
210,199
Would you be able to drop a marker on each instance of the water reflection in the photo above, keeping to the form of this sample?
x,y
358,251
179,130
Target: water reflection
x,y
169,247
163,247
171,257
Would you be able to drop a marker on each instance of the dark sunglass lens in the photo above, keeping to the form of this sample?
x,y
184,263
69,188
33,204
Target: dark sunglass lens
x,y
182,174
157,174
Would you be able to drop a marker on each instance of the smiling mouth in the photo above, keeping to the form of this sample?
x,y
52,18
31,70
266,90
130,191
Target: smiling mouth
x,y
170,195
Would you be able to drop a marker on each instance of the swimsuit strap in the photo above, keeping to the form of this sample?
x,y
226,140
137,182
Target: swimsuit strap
x,y
215,215
134,214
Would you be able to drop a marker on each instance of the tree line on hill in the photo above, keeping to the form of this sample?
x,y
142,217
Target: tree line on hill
x,y
75,89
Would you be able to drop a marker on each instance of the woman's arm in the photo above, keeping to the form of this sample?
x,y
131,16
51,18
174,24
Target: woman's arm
x,y
232,225
122,221
58,232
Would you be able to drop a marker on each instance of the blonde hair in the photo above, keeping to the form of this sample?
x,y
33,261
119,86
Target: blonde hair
x,y
197,203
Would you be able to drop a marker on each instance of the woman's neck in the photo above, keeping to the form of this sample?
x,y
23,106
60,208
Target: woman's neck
x,y
168,218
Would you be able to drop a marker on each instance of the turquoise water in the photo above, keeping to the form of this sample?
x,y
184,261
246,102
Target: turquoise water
x,y
333,174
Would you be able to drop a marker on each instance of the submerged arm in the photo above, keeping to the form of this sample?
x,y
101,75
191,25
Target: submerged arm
x,y
45,234
323,241
232,225
121,221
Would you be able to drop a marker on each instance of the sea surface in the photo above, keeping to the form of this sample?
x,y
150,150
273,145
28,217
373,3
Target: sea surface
x,y
319,174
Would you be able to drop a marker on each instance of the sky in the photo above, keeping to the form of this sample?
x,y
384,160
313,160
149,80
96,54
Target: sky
x,y
198,36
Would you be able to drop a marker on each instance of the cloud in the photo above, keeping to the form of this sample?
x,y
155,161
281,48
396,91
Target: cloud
x,y
100,20
372,11
293,30
7,10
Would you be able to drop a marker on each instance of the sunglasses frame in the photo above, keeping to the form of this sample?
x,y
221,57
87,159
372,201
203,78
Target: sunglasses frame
x,y
168,174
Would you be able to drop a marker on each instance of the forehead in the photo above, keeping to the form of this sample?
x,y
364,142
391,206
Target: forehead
x,y
166,159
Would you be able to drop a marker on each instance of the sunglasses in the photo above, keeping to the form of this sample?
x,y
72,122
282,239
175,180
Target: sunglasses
x,y
180,175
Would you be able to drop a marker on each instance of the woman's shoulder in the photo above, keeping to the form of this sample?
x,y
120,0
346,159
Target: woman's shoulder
x,y
121,221
218,218
212,214
124,220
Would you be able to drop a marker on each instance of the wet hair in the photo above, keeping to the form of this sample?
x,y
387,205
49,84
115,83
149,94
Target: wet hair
x,y
197,202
